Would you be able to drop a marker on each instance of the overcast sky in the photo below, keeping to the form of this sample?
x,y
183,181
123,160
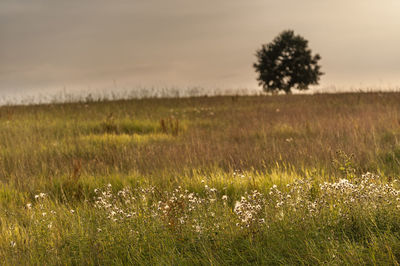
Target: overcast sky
x,y
49,45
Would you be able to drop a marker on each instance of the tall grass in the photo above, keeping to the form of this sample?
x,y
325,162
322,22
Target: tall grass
x,y
212,161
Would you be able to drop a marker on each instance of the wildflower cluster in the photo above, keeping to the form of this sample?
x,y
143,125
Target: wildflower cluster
x,y
338,201
117,207
303,201
366,193
175,210
250,210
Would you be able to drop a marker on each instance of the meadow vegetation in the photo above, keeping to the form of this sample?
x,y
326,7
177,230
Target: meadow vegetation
x,y
296,179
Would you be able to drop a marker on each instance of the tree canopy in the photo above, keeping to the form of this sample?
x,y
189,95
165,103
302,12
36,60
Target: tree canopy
x,y
287,63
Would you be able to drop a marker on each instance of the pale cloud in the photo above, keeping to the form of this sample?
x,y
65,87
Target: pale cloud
x,y
50,43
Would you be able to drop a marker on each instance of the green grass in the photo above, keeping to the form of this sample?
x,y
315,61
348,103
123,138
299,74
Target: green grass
x,y
157,152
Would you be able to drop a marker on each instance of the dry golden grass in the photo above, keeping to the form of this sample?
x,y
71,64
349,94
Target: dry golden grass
x,y
228,133
216,151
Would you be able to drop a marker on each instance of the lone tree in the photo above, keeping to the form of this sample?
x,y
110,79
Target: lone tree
x,y
287,63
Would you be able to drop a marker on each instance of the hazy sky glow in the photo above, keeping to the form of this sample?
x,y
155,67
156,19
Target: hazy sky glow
x,y
47,45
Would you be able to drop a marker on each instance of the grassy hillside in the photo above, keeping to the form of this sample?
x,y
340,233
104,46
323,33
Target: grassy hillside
x,y
210,180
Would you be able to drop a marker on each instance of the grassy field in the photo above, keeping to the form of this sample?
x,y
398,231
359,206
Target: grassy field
x,y
297,179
